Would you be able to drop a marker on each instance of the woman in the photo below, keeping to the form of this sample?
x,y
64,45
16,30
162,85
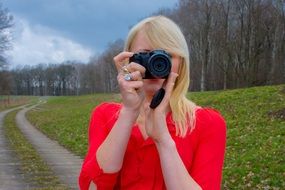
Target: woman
x,y
177,145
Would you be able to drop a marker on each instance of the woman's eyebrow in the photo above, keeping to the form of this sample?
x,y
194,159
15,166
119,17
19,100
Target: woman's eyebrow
x,y
144,50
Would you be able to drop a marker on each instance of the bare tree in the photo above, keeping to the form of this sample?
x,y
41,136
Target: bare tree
x,y
105,69
5,36
233,43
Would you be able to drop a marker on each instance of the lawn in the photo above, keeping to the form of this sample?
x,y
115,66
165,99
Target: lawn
x,y
7,102
255,153
66,119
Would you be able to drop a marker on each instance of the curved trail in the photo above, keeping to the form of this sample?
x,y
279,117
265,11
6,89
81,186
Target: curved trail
x,y
65,164
10,174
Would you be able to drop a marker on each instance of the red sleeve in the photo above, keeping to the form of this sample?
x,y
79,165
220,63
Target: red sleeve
x,y
208,159
98,131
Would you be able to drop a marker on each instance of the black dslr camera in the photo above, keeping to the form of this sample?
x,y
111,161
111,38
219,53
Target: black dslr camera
x,y
157,63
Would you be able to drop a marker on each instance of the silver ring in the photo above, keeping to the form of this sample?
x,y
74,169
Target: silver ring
x,y
128,77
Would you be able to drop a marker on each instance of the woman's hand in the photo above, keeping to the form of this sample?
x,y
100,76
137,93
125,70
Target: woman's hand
x,y
156,127
131,91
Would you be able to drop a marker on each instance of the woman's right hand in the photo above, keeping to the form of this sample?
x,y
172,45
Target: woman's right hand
x,y
132,90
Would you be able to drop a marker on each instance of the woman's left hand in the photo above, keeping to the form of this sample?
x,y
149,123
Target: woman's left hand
x,y
155,125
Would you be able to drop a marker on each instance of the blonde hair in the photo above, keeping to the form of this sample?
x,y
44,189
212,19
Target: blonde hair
x,y
163,33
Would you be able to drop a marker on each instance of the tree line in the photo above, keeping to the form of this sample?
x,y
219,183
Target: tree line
x,y
232,44
67,78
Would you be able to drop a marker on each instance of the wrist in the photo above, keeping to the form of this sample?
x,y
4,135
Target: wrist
x,y
165,142
128,116
130,112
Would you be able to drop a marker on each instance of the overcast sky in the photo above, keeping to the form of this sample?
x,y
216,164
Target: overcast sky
x,y
57,30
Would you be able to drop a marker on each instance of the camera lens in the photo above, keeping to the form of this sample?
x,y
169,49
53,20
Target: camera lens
x,y
159,65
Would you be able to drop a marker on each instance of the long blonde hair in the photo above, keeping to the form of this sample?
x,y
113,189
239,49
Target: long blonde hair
x,y
163,33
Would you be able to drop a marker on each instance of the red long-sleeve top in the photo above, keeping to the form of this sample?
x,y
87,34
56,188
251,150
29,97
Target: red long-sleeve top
x,y
202,152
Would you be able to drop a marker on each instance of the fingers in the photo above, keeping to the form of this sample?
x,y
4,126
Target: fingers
x,y
169,87
121,58
170,82
129,75
136,76
130,86
136,67
123,67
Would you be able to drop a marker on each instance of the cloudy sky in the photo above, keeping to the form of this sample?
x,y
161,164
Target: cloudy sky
x,y
57,30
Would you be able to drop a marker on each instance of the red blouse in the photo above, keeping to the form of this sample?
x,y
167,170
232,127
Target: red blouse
x,y
202,152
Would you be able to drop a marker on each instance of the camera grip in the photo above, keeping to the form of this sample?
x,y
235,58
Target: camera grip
x,y
157,98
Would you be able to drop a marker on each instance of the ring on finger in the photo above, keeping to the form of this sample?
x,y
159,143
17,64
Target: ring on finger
x,y
125,70
128,77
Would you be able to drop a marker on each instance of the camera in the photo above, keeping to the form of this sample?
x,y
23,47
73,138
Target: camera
x,y
157,63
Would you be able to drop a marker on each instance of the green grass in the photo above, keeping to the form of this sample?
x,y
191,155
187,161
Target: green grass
x,y
7,102
35,171
255,153
66,119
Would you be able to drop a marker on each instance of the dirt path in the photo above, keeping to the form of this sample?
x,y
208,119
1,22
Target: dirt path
x,y
65,164
10,174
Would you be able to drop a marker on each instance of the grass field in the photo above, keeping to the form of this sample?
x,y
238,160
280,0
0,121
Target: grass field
x,y
65,119
255,154
7,102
